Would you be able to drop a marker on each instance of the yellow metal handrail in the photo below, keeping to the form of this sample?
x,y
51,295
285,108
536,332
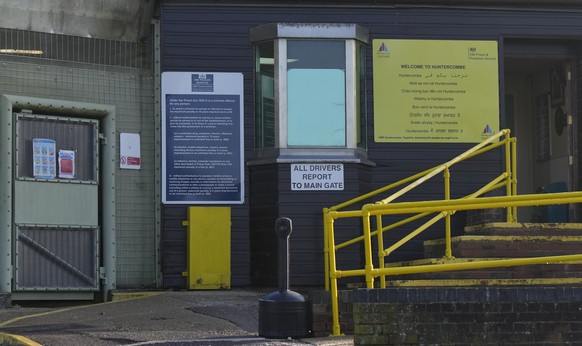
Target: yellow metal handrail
x,y
436,210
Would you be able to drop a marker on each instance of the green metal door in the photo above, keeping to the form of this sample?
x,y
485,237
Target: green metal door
x,y
56,203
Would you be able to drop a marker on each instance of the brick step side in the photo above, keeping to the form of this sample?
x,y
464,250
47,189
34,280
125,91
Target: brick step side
x,y
468,316
545,313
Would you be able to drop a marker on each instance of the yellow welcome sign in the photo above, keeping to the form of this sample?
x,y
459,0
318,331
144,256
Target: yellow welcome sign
x,y
436,91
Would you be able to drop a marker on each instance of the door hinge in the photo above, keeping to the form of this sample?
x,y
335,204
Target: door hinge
x,y
102,138
570,119
102,275
570,160
569,75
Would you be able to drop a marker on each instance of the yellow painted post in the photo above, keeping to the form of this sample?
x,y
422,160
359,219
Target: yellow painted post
x,y
448,247
336,331
380,237
514,175
368,249
508,168
326,247
208,248
328,224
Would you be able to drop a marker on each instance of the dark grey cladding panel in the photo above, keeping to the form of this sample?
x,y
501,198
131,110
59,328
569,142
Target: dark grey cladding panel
x,y
220,39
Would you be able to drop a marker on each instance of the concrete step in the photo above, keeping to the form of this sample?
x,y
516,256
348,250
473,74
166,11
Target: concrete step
x,y
508,240
485,282
504,241
506,246
495,241
508,228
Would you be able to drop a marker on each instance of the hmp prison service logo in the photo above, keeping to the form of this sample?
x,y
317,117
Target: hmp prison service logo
x,y
475,54
383,51
487,132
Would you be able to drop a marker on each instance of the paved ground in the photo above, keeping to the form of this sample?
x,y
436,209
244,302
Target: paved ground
x,y
161,318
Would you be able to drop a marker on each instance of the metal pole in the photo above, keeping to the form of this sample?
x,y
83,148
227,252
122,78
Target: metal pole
x,y
283,228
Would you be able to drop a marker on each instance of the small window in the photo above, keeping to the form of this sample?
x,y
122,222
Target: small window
x,y
51,148
265,96
310,91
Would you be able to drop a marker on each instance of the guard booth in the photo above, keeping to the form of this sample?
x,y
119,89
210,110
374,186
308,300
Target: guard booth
x,y
54,201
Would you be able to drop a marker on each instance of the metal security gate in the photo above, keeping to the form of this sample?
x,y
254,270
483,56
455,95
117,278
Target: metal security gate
x,y
56,203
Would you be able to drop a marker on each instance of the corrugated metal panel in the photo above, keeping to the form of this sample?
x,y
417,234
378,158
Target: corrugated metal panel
x,y
265,209
52,258
174,246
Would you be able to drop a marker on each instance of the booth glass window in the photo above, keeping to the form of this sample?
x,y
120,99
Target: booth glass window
x,y
265,96
316,93
310,90
361,96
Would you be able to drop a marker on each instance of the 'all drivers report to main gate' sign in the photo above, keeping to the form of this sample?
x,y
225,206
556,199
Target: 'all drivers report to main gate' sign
x,y
317,176
202,138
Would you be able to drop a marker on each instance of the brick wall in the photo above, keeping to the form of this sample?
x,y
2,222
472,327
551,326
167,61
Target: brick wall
x,y
320,307
454,315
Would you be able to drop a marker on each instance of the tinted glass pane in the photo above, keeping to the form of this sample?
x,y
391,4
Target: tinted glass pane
x,y
361,96
265,96
316,96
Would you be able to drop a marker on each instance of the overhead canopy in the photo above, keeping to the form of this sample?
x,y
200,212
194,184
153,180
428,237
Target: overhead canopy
x,y
535,4
126,20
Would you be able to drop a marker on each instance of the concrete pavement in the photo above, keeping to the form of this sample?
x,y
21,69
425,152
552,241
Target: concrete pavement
x,y
228,317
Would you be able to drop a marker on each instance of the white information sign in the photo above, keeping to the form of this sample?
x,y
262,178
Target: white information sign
x,y
317,176
202,138
129,151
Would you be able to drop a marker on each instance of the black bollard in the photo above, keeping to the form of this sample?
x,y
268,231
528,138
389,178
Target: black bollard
x,y
283,227
283,313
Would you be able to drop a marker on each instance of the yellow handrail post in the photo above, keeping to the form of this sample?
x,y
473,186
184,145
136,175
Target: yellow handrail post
x,y
448,250
514,174
380,237
508,169
328,224
326,247
368,249
335,308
